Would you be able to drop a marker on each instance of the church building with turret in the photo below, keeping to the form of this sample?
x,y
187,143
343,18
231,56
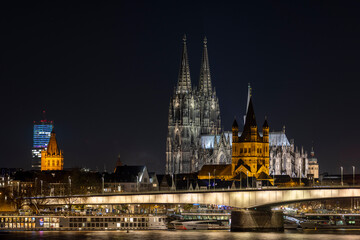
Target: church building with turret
x,y
195,138
52,158
193,112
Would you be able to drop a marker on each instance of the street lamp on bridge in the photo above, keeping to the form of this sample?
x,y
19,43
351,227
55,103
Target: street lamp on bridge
x,y
209,181
353,175
102,184
214,178
342,173
247,179
69,184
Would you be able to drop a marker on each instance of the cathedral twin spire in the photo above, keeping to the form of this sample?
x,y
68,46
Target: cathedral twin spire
x,y
205,78
184,80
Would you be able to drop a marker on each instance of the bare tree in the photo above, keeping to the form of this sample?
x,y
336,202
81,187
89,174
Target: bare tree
x,y
36,203
17,196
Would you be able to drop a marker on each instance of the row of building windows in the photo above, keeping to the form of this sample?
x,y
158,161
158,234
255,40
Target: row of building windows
x,y
109,219
52,163
248,150
18,225
204,217
92,225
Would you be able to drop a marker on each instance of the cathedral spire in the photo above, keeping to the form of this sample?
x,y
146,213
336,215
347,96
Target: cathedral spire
x,y
248,97
248,101
184,81
205,78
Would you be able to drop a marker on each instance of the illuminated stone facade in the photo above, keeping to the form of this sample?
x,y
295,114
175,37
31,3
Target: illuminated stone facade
x,y
313,166
195,137
192,113
52,158
250,151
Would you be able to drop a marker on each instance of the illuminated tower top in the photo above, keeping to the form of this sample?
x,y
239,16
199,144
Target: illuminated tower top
x,y
41,136
53,148
42,130
52,158
205,78
184,80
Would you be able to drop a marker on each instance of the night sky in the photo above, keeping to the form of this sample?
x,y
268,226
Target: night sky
x,y
105,73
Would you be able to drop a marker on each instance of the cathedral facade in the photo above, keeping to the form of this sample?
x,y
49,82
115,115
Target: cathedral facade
x,y
195,138
193,112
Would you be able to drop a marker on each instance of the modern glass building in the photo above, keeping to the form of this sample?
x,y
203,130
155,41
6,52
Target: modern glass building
x,y
41,137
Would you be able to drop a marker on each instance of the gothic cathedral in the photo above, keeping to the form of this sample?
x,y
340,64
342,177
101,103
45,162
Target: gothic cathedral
x,y
196,143
192,113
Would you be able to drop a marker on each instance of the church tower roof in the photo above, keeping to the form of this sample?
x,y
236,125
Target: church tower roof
x,y
205,78
235,124
265,125
184,81
53,148
250,121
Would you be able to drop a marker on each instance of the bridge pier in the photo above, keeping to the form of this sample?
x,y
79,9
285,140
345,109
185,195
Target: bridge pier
x,y
257,220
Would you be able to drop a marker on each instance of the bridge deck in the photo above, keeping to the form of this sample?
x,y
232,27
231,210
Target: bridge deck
x,y
246,198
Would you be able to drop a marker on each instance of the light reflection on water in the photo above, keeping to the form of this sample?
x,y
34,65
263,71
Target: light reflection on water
x,y
183,235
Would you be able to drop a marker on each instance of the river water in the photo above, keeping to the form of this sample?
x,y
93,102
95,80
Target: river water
x,y
183,235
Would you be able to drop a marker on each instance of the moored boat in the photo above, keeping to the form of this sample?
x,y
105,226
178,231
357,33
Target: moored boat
x,y
80,223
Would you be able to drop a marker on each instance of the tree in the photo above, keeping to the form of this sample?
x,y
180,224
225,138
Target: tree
x,y
18,196
35,203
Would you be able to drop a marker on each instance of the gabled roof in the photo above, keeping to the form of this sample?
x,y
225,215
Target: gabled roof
x,y
220,170
128,173
263,176
164,180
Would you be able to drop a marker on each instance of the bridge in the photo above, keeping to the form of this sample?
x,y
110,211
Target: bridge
x,y
246,198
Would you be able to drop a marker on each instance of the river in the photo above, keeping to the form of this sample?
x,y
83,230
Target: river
x,y
183,235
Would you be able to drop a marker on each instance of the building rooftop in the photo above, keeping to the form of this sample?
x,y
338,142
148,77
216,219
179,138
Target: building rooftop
x,y
275,139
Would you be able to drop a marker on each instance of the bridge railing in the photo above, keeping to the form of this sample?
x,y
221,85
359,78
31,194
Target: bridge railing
x,y
179,191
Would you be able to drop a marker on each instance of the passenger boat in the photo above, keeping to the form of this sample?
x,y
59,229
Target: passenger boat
x,y
82,223
200,225
330,221
202,221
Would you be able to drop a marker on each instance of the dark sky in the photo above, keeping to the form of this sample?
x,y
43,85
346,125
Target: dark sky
x,y
105,73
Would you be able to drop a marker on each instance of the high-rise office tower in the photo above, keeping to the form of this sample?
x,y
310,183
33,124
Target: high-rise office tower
x,y
41,137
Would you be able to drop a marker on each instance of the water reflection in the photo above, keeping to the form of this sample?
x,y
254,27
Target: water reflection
x,y
183,235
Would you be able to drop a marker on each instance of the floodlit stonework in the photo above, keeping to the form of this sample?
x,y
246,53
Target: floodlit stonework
x,y
192,113
52,158
195,137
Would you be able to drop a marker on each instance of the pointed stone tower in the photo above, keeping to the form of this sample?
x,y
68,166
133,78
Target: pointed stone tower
x,y
184,81
52,158
183,123
250,152
192,113
209,103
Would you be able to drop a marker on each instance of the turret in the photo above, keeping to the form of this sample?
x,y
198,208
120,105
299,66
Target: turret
x,y
235,131
265,129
